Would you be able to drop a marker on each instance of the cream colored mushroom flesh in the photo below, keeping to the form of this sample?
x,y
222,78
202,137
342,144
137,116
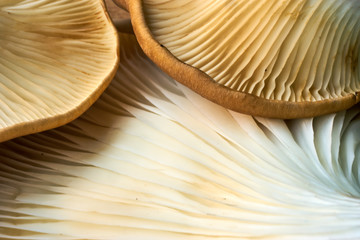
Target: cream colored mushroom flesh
x,y
56,59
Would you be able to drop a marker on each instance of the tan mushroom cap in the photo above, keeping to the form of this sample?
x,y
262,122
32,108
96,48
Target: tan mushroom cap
x,y
280,59
56,58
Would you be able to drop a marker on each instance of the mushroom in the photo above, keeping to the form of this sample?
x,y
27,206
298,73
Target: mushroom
x,y
278,59
56,58
151,159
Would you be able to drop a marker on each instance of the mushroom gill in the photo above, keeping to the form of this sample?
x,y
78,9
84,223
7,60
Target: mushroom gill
x,y
282,59
56,58
153,160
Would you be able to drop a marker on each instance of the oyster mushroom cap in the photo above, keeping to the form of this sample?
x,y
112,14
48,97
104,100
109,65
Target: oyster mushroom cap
x,y
56,58
151,159
282,59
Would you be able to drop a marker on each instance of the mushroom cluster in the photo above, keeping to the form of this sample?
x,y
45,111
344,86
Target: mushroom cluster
x,y
152,159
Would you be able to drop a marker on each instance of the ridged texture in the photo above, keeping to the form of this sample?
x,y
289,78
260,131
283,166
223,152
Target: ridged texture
x,y
282,50
53,56
153,160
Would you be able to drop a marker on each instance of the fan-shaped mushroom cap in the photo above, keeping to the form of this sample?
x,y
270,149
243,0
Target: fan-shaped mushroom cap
x,y
56,58
283,59
153,160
